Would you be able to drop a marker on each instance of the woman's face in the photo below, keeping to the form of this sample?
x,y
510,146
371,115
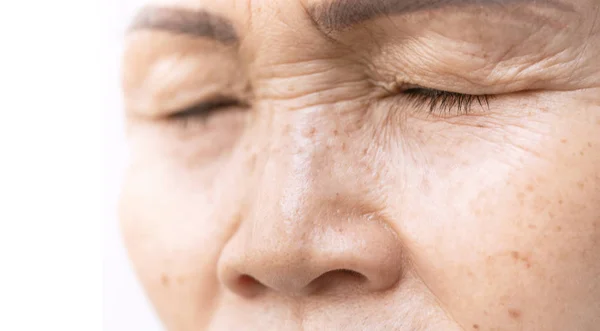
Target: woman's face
x,y
366,165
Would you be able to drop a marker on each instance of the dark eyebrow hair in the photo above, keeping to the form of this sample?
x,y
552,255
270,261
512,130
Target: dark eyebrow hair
x,y
333,15
196,23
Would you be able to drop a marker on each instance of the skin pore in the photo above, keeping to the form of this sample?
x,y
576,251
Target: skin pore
x,y
365,165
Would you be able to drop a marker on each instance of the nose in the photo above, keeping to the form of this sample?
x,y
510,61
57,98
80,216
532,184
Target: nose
x,y
356,254
309,233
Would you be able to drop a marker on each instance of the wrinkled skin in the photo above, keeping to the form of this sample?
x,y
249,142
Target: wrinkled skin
x,y
329,199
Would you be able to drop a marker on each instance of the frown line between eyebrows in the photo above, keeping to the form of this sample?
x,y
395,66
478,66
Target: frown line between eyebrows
x,y
195,23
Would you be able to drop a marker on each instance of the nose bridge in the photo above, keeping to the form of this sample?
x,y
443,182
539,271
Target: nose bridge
x,y
291,188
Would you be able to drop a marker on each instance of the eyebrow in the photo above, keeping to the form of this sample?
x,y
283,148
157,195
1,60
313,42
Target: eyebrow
x,y
335,15
195,23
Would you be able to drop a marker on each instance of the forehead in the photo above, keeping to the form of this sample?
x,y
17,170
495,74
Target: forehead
x,y
266,31
339,14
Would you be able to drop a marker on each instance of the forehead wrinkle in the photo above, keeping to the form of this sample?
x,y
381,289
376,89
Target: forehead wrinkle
x,y
332,15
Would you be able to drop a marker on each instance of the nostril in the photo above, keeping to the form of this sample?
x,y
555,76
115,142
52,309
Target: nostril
x,y
245,281
338,280
348,274
248,286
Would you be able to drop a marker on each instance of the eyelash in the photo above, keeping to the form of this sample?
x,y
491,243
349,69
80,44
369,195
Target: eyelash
x,y
202,111
443,103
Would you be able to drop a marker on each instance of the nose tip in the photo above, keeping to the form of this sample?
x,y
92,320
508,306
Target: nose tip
x,y
361,259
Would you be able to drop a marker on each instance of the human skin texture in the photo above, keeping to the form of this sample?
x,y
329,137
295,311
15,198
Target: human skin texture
x,y
323,165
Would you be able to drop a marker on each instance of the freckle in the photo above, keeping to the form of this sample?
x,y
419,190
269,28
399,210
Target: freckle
x,y
589,144
343,146
581,153
563,140
518,257
164,279
365,151
335,132
475,326
580,184
558,228
479,125
560,202
180,280
311,132
532,226
514,313
530,188
551,214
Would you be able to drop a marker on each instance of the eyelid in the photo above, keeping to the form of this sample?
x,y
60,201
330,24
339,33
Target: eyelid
x,y
206,108
445,103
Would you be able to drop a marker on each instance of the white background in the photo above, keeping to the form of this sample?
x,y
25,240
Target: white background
x,y
62,152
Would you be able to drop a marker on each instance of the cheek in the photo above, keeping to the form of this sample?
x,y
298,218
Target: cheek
x,y
173,233
508,221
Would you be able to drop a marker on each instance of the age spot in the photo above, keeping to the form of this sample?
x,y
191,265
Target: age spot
x,y
514,313
164,280
476,326
519,257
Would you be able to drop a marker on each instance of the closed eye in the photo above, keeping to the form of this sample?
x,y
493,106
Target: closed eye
x,y
203,110
445,103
